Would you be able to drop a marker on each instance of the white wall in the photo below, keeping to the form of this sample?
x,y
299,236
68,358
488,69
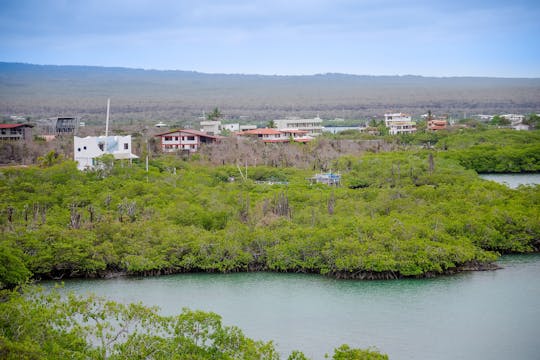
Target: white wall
x,y
86,149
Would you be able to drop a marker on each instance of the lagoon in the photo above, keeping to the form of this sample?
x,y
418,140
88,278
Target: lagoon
x,y
513,180
475,315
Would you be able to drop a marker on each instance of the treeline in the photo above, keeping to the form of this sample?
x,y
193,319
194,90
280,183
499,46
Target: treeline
x,y
395,215
482,150
39,325
495,151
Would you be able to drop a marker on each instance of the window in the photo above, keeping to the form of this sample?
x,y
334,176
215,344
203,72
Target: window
x,y
126,146
191,138
101,146
79,149
84,147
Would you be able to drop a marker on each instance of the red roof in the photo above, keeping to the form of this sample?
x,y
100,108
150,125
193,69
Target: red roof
x,y
12,126
438,122
190,131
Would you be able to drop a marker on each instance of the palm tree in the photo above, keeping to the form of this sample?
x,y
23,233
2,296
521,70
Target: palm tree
x,y
215,114
51,158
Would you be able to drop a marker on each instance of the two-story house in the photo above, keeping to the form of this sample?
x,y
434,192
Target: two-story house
x,y
185,139
88,149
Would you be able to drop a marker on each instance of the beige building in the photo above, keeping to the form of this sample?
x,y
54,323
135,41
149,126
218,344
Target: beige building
x,y
312,126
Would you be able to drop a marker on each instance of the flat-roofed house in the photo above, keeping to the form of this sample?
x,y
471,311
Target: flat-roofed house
x,y
211,127
312,126
399,123
88,149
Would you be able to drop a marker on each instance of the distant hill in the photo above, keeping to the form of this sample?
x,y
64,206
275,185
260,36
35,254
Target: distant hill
x,y
180,96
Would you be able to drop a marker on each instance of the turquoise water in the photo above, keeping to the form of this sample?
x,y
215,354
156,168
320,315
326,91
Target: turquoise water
x,y
478,315
513,180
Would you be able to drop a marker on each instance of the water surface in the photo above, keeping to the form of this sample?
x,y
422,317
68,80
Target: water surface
x,y
478,315
513,180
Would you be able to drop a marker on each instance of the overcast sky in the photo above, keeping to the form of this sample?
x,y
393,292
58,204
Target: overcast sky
x,y
371,37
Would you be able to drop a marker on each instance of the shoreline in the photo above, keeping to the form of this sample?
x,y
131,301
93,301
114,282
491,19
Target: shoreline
x,y
338,275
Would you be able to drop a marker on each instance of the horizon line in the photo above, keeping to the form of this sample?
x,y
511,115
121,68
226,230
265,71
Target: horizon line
x,y
268,75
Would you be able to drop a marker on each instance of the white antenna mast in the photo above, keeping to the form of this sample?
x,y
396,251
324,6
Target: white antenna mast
x,y
107,120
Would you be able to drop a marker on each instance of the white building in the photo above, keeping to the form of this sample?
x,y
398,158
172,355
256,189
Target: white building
x,y
515,119
87,149
211,127
312,126
399,123
521,127
231,127
247,127
267,135
483,117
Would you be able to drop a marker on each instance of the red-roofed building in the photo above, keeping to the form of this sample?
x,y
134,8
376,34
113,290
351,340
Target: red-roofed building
x,y
268,135
185,139
15,132
436,124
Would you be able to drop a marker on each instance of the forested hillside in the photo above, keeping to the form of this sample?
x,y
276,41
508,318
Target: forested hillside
x,y
181,96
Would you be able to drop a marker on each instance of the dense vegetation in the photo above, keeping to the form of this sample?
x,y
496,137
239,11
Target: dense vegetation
x,y
489,150
419,212
495,150
39,325
396,214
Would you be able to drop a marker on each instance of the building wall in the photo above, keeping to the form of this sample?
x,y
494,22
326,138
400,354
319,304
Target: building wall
x,y
180,140
231,127
312,126
402,128
399,123
396,117
16,133
247,127
87,149
211,127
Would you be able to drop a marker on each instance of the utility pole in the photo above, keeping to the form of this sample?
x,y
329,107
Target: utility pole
x,y
107,119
